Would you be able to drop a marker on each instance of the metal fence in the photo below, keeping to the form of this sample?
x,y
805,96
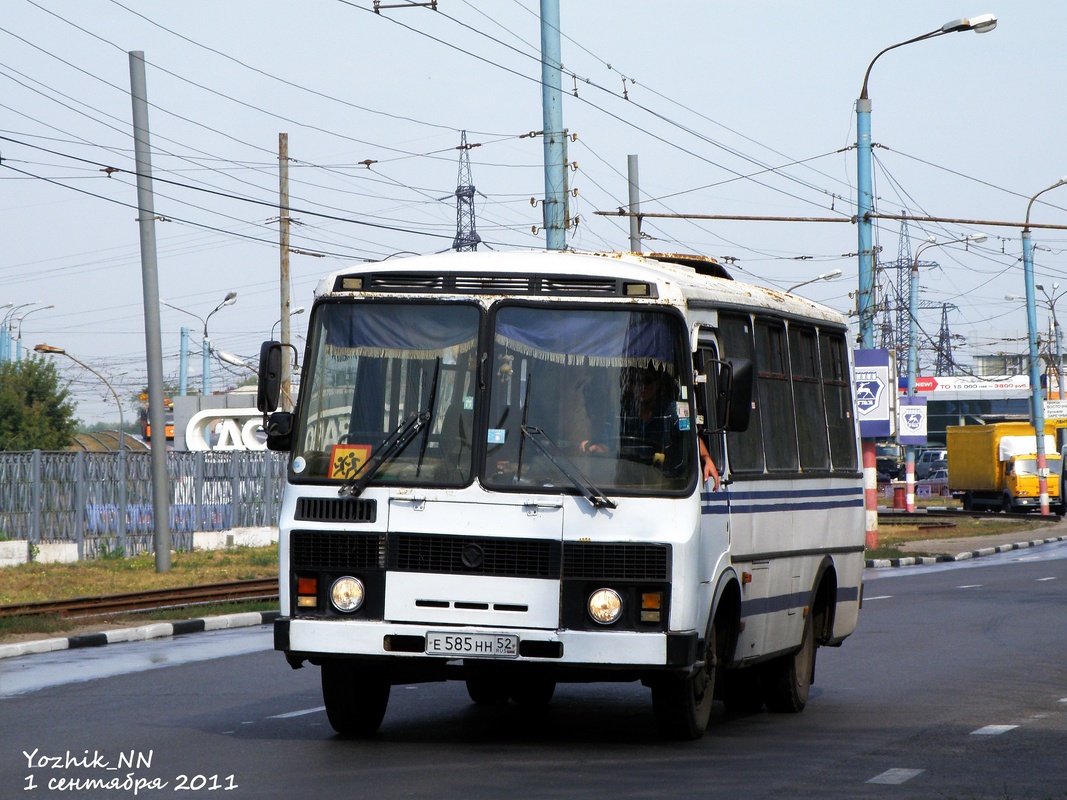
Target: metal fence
x,y
103,501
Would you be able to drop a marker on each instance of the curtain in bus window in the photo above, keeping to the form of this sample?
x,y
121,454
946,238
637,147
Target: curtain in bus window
x,y
811,415
607,339
837,390
395,331
776,397
745,448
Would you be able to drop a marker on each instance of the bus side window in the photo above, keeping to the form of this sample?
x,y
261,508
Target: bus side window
x,y
707,365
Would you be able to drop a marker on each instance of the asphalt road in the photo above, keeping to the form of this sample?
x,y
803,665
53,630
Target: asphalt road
x,y
954,686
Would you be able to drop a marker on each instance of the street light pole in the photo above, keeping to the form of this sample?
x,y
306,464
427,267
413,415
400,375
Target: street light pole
x,y
865,234
18,337
59,351
865,193
1037,400
826,276
1057,333
229,300
913,351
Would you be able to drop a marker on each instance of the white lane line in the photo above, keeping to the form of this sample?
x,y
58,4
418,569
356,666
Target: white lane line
x,y
1042,580
315,710
993,730
895,777
879,597
970,586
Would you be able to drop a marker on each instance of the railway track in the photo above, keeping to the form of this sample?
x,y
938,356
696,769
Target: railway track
x,y
264,589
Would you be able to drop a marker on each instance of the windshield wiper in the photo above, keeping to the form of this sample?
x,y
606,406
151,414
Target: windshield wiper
x,y
393,444
567,467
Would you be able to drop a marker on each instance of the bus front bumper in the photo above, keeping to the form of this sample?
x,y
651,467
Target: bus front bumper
x,y
313,640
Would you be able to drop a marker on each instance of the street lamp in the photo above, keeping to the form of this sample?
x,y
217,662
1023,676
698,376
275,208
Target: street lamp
x,y
1057,332
826,276
1037,410
5,328
865,199
913,349
228,300
865,249
59,351
18,337
293,313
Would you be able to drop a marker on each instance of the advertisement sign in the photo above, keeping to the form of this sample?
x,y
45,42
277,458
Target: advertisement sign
x,y
874,393
911,420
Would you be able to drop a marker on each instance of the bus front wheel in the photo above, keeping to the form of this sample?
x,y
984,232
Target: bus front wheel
x,y
355,697
682,704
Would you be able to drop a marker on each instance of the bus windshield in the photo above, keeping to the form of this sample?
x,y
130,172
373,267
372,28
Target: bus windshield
x,y
576,399
602,388
374,369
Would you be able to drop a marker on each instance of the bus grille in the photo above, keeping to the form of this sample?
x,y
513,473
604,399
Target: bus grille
x,y
465,555
347,551
327,509
616,561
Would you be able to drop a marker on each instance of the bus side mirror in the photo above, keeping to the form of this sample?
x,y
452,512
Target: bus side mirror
x,y
734,403
279,430
269,388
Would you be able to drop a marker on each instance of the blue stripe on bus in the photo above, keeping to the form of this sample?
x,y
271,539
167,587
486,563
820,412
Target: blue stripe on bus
x,y
771,500
785,602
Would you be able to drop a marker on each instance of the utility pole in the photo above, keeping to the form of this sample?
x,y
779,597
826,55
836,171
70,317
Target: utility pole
x,y
146,216
283,203
635,203
553,133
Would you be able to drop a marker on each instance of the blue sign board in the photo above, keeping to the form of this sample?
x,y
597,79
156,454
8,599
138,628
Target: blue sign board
x,y
875,393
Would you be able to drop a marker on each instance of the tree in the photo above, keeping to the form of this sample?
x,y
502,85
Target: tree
x,y
35,413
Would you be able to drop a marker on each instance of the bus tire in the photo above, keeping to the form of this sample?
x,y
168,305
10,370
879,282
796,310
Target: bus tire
x,y
742,690
488,690
355,697
682,703
533,691
787,679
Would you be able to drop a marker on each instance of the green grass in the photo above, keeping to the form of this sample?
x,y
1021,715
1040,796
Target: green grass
x,y
28,583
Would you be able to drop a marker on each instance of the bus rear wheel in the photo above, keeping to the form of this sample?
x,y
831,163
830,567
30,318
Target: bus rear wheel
x,y
355,697
787,680
682,704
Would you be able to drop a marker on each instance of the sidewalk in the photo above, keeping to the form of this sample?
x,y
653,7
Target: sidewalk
x,y
967,547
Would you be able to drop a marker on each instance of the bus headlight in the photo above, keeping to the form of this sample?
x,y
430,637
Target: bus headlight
x,y
605,606
346,594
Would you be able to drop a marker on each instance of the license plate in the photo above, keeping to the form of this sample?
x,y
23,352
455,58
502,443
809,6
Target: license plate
x,y
475,645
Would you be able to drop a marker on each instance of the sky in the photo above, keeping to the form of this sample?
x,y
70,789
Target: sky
x,y
735,109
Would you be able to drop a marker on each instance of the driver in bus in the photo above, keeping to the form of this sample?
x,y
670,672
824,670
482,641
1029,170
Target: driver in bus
x,y
652,419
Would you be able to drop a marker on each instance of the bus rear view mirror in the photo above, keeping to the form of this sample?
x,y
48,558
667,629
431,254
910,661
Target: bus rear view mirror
x,y
735,394
269,388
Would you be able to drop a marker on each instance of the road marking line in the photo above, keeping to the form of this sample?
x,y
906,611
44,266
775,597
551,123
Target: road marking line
x,y
896,776
299,713
1042,580
970,586
993,730
879,597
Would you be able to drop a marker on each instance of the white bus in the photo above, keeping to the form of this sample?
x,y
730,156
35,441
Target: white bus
x,y
495,476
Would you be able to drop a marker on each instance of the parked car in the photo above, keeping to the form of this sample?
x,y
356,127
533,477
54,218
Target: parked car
x,y
929,460
937,476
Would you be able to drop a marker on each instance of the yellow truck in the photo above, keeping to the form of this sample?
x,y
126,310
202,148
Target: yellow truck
x,y
995,466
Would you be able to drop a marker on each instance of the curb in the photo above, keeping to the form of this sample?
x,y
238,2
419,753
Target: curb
x,y
883,563
156,630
